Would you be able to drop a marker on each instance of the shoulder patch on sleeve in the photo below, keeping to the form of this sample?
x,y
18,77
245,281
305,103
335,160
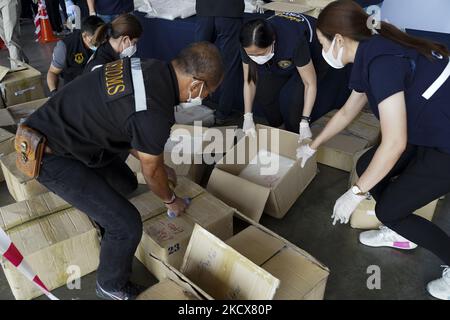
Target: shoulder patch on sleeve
x,y
116,78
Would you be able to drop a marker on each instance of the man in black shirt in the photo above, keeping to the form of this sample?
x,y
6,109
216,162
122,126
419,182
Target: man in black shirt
x,y
220,21
124,106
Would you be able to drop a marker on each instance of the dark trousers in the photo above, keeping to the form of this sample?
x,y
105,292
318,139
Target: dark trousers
x,y
54,16
100,193
420,176
224,32
281,97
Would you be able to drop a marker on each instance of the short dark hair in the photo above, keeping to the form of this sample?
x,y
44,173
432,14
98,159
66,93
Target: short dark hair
x,y
203,61
90,24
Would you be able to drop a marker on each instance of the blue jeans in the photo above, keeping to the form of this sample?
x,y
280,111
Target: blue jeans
x,y
100,194
107,17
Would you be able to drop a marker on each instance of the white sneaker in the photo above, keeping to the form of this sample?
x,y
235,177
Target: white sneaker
x,y
440,288
385,237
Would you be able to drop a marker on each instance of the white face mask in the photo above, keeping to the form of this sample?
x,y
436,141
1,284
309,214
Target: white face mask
x,y
330,59
129,51
263,59
192,102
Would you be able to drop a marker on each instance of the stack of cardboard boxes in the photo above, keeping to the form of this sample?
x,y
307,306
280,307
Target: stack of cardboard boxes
x,y
55,239
253,264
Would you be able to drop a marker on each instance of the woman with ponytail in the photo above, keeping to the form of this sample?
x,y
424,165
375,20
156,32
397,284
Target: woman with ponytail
x,y
115,40
286,75
406,82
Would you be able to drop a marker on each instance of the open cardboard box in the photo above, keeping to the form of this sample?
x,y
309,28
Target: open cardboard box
x,y
169,289
271,191
189,150
168,238
301,275
19,86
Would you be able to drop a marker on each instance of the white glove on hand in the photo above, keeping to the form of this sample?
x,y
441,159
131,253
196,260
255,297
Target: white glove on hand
x,y
249,125
345,206
259,6
305,152
304,131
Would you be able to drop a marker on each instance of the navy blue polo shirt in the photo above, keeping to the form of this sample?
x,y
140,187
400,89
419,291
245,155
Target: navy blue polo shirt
x,y
383,68
112,7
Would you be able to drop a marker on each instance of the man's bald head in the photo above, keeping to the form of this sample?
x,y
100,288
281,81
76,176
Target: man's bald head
x,y
202,61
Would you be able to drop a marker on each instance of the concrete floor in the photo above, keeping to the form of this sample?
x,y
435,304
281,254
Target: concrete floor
x,y
308,225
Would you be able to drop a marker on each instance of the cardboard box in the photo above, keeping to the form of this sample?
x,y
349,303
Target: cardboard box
x,y
6,146
365,218
37,207
301,276
309,7
24,110
223,272
338,152
168,238
50,245
274,193
13,115
20,86
19,185
149,205
195,141
169,290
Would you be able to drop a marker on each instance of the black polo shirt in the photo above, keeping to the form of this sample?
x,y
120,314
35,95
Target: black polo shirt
x,y
220,8
94,118
104,54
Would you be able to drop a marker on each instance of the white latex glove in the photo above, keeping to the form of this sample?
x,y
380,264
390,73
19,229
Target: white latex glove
x,y
249,125
305,152
304,131
345,206
259,6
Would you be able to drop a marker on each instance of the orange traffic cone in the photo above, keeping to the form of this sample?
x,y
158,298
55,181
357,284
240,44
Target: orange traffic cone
x,y
46,32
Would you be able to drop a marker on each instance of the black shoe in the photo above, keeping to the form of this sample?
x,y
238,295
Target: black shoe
x,y
129,292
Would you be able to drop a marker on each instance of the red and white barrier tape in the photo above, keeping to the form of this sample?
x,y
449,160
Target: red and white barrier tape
x,y
9,251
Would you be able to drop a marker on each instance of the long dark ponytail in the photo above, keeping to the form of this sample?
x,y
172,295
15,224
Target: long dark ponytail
x,y
259,33
124,25
349,19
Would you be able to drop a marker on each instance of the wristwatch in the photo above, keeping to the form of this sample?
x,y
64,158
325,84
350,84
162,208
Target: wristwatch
x,y
172,200
357,191
306,118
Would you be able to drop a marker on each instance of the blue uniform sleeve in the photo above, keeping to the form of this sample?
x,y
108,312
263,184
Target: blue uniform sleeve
x,y
245,58
388,75
302,54
149,131
59,55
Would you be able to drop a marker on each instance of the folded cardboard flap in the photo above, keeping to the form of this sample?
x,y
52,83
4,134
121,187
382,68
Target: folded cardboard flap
x,y
37,207
167,290
6,118
51,245
223,272
239,193
288,7
301,277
